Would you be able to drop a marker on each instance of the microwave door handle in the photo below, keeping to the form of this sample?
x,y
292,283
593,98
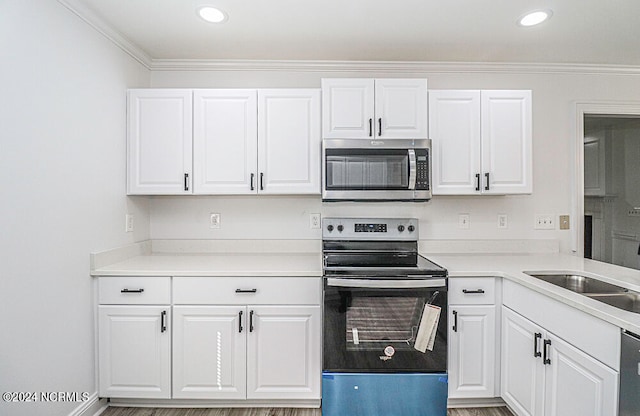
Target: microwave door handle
x,y
412,169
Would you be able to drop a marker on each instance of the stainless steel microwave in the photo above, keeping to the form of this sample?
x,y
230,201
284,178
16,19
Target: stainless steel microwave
x,y
376,170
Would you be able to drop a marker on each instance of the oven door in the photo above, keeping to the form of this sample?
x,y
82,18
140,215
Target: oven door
x,y
385,326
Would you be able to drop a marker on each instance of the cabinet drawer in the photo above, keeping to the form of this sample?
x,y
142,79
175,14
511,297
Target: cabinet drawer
x,y
472,290
247,290
134,290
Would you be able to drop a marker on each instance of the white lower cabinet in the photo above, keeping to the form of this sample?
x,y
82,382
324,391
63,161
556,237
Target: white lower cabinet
x,y
545,375
473,364
134,351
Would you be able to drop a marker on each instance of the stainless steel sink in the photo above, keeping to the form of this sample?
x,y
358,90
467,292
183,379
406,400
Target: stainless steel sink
x,y
577,283
617,296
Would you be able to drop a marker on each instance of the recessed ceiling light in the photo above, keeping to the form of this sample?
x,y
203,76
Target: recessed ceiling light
x,y
212,15
534,18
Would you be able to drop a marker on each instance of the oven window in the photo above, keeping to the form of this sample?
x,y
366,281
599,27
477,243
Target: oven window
x,y
385,330
367,170
374,322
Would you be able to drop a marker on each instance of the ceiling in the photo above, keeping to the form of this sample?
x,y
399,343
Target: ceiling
x,y
602,32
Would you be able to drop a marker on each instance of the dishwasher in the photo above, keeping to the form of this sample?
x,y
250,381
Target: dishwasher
x,y
629,400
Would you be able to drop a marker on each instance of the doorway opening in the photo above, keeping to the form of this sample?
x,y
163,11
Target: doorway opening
x,y
611,189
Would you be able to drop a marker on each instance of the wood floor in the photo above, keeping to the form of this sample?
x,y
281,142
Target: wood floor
x,y
144,411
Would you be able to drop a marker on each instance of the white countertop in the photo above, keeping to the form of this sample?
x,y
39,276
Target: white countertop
x,y
219,264
511,266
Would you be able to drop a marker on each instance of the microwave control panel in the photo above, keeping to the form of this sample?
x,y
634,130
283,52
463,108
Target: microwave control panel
x,y
422,169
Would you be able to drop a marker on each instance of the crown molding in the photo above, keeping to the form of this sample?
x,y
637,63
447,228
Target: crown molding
x,y
102,27
392,67
388,66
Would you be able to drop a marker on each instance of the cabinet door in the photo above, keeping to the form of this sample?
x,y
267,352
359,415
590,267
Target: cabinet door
x,y
472,351
209,352
506,141
225,141
159,134
577,384
595,164
454,128
347,108
401,109
522,378
289,141
283,352
134,351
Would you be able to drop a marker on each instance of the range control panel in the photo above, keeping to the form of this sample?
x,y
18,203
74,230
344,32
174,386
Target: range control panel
x,y
403,229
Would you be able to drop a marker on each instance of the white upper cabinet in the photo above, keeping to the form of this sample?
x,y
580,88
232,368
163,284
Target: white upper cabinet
x,y
482,141
239,141
289,143
225,148
355,108
159,142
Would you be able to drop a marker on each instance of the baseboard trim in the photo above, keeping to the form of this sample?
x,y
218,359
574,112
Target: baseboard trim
x,y
199,403
462,403
92,407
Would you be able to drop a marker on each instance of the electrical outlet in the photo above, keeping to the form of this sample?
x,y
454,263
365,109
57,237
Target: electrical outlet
x,y
128,221
314,221
634,212
503,221
463,221
544,222
214,220
564,222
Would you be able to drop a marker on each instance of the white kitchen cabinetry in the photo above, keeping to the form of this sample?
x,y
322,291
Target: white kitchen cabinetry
x,y
159,131
257,141
363,108
473,365
134,341
595,164
242,141
481,141
543,374
255,346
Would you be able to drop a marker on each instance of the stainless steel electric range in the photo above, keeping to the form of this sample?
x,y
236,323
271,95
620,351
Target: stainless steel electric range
x,y
385,329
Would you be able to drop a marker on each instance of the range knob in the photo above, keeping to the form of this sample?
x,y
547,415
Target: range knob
x,y
329,227
401,228
340,228
411,228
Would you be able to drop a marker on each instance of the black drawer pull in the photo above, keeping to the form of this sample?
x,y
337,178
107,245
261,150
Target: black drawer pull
x,y
455,321
486,188
466,291
246,290
240,321
132,290
477,181
251,321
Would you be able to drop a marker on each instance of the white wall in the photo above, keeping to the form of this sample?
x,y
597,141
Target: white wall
x,y
62,176
273,217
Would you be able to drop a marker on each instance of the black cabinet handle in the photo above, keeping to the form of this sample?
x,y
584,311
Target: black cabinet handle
x,y
240,321
251,321
455,321
132,290
477,181
380,127
536,352
261,181
466,291
163,321
546,360
486,188
370,127
246,290
252,177
186,181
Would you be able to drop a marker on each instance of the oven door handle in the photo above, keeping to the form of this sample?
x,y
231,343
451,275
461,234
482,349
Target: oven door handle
x,y
388,284
413,170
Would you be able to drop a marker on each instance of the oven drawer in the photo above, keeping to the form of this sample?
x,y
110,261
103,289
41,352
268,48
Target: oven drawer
x,y
472,290
247,290
125,290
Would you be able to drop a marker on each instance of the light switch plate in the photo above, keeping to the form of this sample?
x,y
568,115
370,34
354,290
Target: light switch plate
x,y
463,221
564,222
503,221
214,220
